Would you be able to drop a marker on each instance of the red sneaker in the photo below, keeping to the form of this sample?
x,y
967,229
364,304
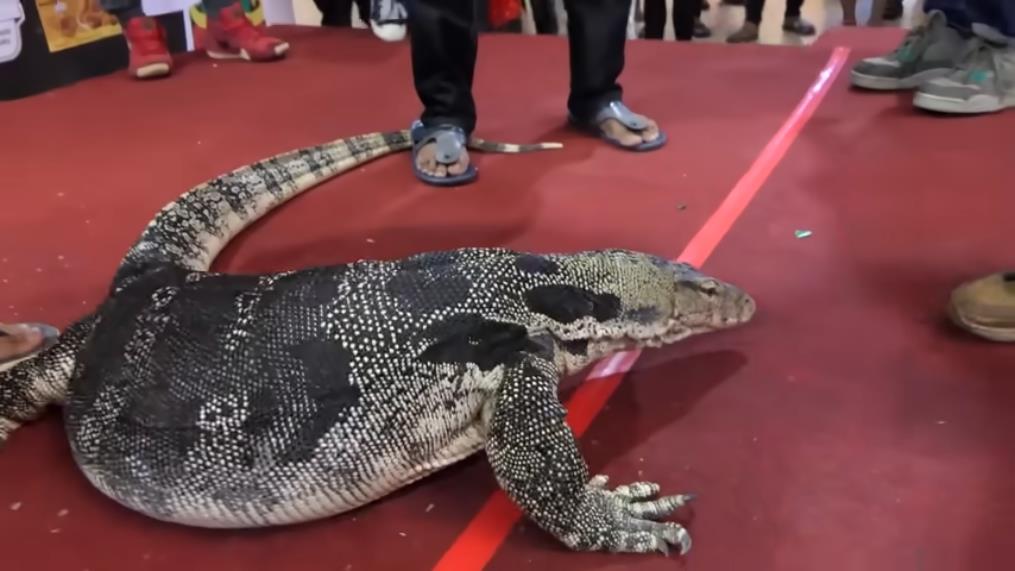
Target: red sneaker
x,y
149,56
232,36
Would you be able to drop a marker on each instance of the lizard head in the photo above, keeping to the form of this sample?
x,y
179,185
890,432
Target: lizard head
x,y
605,301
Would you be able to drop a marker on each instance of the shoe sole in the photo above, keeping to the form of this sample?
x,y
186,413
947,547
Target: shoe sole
x,y
998,334
280,50
879,83
976,106
152,71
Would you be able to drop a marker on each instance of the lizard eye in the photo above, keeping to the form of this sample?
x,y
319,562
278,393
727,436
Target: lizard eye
x,y
709,288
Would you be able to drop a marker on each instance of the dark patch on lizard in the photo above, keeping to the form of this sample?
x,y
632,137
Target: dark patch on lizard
x,y
329,391
531,264
575,346
567,303
428,261
474,339
423,292
644,315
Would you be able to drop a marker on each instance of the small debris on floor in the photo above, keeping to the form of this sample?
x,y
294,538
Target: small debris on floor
x,y
800,234
640,473
15,506
681,206
55,530
63,513
641,459
403,534
370,240
429,508
942,422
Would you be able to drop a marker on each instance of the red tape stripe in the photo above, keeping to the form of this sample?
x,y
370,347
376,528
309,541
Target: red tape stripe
x,y
479,541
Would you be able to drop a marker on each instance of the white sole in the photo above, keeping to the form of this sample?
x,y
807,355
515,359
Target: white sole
x,y
877,83
976,106
389,32
280,50
998,335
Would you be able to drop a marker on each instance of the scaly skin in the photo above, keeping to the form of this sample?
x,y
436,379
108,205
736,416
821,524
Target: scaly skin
x,y
243,401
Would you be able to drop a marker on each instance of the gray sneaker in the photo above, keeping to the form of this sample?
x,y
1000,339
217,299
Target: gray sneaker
x,y
984,82
930,50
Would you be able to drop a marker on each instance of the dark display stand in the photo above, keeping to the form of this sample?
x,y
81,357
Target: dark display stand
x,y
37,70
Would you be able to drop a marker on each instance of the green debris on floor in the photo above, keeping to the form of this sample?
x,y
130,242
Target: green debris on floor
x,y
800,234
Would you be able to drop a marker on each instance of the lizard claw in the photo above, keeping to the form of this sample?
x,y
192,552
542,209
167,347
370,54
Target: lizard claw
x,y
630,513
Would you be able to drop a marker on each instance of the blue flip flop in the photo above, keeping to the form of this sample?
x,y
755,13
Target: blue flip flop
x,y
617,110
450,141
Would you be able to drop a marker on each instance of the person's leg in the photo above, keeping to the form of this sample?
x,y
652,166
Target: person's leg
x,y
335,13
687,22
655,18
793,22
993,15
752,23
146,40
362,10
928,51
597,36
984,79
956,12
443,39
232,36
544,14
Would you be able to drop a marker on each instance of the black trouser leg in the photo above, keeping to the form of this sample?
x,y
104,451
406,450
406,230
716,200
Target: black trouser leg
x,y
443,39
597,34
363,9
335,13
754,9
544,14
686,14
793,8
655,19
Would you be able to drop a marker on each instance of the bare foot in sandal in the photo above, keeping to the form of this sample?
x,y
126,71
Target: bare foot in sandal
x,y
426,161
616,130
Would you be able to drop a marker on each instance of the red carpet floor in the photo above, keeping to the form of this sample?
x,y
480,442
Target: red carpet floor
x,y
847,429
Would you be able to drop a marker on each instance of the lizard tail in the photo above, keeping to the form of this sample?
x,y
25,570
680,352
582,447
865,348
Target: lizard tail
x,y
190,231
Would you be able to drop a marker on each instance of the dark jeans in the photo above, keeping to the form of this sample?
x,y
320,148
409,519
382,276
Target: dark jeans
x,y
754,8
443,37
685,14
962,14
545,17
338,13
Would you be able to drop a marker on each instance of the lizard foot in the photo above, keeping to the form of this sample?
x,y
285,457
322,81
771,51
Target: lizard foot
x,y
6,428
625,518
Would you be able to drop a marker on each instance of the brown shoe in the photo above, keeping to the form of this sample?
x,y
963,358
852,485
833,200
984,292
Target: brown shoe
x,y
986,307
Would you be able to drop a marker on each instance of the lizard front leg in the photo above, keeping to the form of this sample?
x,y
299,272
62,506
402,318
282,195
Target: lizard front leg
x,y
536,460
27,387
